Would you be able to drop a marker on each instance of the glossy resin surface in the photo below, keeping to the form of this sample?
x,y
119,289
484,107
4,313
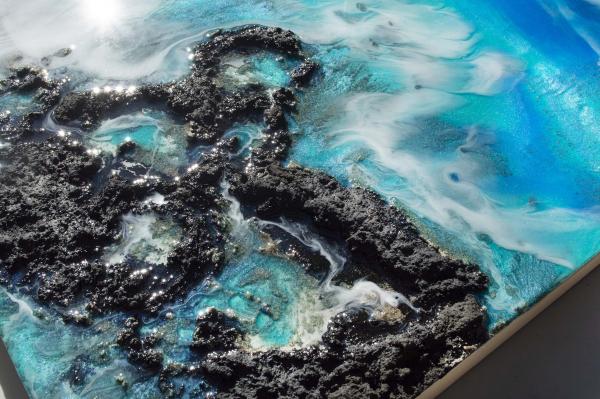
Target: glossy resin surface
x,y
286,198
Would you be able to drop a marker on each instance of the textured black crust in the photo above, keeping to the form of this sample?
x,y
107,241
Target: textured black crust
x,y
210,110
380,239
359,356
62,206
139,350
57,220
215,332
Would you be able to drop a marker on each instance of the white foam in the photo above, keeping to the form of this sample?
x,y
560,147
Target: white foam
x,y
585,29
234,213
102,382
493,73
144,237
429,45
252,133
164,145
156,199
461,207
103,137
312,316
24,309
135,229
112,41
108,38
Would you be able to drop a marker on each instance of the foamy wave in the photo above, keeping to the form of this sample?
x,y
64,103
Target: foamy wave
x,y
108,39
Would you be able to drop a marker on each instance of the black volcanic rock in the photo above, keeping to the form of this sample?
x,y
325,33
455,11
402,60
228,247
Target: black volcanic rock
x,y
208,55
285,98
289,246
215,331
365,359
62,207
379,238
57,220
359,355
140,350
25,79
209,109
45,93
88,109
304,72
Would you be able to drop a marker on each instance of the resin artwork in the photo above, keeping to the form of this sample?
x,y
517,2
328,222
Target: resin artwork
x,y
286,198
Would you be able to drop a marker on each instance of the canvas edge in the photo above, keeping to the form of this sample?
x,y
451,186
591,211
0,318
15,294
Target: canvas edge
x,y
508,331
11,384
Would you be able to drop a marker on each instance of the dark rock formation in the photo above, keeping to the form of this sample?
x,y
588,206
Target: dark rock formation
x,y
140,350
172,371
304,72
65,209
209,109
358,358
289,246
380,239
44,92
58,219
215,331
62,207
89,109
25,80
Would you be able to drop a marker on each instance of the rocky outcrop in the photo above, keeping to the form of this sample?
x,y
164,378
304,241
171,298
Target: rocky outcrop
x,y
359,358
45,93
359,355
58,219
140,350
209,109
215,331
381,240
62,206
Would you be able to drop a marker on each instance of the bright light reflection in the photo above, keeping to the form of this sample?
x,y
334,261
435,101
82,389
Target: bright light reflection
x,y
102,14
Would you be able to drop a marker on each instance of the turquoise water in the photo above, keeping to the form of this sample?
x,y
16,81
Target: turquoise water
x,y
489,140
264,69
273,299
43,350
478,118
14,106
160,142
263,292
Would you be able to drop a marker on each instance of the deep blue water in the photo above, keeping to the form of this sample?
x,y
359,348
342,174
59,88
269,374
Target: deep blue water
x,y
480,119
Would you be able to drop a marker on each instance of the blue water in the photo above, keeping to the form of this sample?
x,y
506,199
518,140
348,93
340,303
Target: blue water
x,y
480,119
14,106
265,69
160,142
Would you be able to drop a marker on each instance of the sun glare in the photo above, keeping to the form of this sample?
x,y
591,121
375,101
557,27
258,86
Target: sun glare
x,y
102,14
